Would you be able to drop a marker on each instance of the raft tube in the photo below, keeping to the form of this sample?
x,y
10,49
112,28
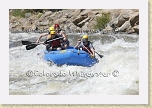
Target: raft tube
x,y
70,56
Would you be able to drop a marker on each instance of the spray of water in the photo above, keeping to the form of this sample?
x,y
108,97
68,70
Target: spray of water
x,y
115,74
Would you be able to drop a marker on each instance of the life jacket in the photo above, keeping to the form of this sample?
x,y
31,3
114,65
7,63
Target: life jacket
x,y
86,48
56,43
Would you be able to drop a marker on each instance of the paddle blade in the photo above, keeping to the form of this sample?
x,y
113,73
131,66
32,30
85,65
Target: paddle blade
x,y
26,42
99,54
31,46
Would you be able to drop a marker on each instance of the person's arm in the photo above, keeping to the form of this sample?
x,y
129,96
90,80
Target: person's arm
x,y
42,35
92,49
66,45
78,43
93,52
64,35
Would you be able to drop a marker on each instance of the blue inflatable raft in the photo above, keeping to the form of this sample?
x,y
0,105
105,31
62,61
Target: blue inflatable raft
x,y
70,56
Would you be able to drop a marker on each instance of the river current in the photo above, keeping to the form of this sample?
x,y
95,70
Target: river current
x,y
117,73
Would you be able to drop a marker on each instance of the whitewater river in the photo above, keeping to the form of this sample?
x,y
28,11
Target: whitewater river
x,y
117,73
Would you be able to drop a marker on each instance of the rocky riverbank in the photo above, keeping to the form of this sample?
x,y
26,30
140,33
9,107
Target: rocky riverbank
x,y
77,20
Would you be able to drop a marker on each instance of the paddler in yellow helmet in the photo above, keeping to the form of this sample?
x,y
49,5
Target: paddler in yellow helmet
x,y
47,35
85,45
52,40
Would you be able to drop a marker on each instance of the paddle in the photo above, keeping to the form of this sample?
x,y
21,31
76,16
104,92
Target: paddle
x,y
33,45
99,54
27,42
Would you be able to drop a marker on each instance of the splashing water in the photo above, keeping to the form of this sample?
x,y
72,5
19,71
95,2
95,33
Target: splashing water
x,y
115,74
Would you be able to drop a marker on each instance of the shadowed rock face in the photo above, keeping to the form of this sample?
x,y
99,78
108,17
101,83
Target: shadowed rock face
x,y
122,20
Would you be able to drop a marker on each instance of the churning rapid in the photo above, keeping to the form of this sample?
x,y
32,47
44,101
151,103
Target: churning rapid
x,y
117,73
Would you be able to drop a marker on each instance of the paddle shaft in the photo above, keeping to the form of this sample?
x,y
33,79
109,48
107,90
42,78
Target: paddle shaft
x,y
86,49
31,46
54,39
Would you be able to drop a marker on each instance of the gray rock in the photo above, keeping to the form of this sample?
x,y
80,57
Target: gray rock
x,y
79,20
134,18
45,15
27,15
136,28
124,26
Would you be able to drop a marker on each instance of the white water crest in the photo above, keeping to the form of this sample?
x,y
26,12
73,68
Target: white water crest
x,y
117,73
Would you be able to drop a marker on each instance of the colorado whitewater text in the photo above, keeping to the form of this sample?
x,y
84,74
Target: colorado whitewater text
x,y
36,73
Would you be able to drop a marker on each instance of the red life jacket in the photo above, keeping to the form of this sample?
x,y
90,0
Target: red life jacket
x,y
56,43
86,48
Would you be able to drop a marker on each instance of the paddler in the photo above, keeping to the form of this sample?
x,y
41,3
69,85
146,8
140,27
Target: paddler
x,y
65,42
48,35
85,45
53,40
